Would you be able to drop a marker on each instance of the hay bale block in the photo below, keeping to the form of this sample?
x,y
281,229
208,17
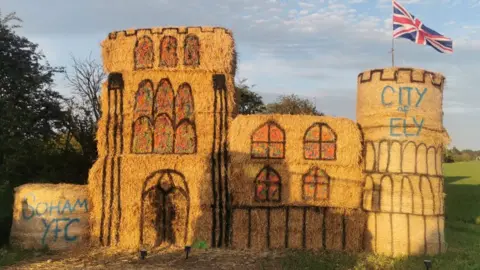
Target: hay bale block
x,y
50,215
295,228
354,229
315,223
277,228
404,234
259,230
334,227
240,229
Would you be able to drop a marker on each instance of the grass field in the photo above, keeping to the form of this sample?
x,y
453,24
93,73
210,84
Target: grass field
x,y
462,232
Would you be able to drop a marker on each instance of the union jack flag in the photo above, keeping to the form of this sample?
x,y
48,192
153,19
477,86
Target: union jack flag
x,y
405,25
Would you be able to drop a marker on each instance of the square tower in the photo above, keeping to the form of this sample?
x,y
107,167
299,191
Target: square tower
x,y
161,176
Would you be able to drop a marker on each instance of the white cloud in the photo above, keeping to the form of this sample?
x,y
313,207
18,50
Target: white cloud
x,y
303,12
274,10
356,1
306,5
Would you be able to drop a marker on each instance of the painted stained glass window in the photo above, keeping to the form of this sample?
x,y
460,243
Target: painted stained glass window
x,y
184,103
164,98
192,50
144,99
185,138
170,127
320,142
163,135
168,52
144,55
315,185
268,142
268,185
142,135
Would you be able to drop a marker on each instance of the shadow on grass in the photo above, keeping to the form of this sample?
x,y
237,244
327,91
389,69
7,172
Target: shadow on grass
x,y
462,201
452,179
10,256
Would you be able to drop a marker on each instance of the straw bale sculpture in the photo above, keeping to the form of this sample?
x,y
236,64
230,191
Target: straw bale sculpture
x,y
178,166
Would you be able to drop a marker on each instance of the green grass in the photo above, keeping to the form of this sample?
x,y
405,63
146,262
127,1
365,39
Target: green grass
x,y
462,232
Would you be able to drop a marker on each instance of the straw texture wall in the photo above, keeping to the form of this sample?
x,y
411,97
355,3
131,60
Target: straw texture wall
x,y
49,215
401,115
281,178
167,105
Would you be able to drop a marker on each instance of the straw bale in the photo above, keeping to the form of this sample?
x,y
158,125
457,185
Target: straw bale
x,y
348,151
401,232
125,206
50,215
334,228
417,234
240,228
314,226
404,194
345,173
295,226
354,227
378,97
404,234
259,230
217,53
277,228
201,87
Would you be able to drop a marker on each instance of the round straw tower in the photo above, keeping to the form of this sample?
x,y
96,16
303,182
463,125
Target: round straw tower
x,y
400,112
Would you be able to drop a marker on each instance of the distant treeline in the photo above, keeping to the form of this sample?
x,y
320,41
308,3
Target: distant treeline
x,y
455,155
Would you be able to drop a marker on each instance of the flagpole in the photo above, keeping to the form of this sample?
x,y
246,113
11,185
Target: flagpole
x,y
393,39
393,52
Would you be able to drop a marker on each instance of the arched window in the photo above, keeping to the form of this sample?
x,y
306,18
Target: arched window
x,y
386,193
168,52
183,103
320,142
315,185
143,54
268,185
185,138
163,135
368,193
164,98
144,99
170,118
376,197
142,135
192,50
268,142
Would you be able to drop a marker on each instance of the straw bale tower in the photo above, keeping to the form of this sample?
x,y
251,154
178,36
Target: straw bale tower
x,y
161,175
400,112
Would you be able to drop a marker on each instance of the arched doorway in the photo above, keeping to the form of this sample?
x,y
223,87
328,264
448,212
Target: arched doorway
x,y
165,208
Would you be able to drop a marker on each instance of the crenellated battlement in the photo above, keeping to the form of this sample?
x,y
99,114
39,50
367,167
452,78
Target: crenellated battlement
x,y
168,30
208,49
403,75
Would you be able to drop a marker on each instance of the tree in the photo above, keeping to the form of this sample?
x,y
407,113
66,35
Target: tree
x,y
30,110
84,111
30,115
292,104
249,101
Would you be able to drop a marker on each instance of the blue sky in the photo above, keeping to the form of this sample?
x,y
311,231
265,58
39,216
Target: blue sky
x,y
312,48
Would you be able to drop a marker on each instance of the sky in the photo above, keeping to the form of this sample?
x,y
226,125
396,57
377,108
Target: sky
x,y
314,49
